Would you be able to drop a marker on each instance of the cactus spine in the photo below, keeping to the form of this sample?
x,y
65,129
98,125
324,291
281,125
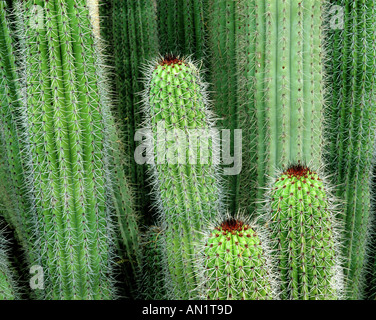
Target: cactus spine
x,y
304,232
65,116
185,180
280,88
351,130
236,263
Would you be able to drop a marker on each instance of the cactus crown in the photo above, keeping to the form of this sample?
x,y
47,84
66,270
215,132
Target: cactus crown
x,y
236,261
171,60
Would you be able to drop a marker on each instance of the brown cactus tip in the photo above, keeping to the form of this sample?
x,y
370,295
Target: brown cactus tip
x,y
171,60
232,225
298,171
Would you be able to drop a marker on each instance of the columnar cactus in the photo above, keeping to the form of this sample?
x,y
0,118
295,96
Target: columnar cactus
x,y
8,287
268,77
305,235
66,118
236,263
132,42
152,272
351,128
222,35
182,26
128,235
182,151
10,136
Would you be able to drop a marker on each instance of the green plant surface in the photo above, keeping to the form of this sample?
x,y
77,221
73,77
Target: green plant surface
x,y
65,115
236,263
351,131
9,289
186,182
11,138
274,87
305,236
129,29
153,285
182,27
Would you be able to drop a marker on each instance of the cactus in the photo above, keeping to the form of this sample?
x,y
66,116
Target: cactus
x,y
182,27
351,129
305,235
132,42
223,75
65,117
236,262
11,140
153,281
184,175
8,287
267,75
128,233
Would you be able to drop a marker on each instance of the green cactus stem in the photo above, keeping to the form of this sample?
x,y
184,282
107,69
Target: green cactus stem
x,y
351,128
8,287
11,137
153,269
222,35
65,116
182,27
268,79
130,31
128,233
305,236
186,182
236,263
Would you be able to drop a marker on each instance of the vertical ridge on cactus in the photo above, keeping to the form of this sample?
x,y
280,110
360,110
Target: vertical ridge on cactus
x,y
351,130
305,235
236,262
64,116
280,88
182,151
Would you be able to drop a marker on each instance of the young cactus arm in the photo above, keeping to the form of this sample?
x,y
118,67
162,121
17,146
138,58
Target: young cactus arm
x,y
305,232
186,185
236,263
